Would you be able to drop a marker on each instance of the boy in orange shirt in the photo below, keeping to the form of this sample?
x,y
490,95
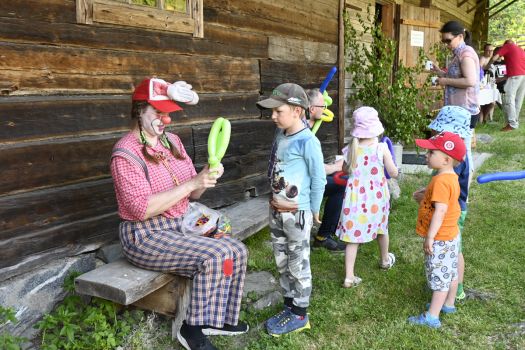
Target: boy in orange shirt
x,y
437,222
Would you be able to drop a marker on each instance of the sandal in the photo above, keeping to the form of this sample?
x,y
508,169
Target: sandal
x,y
351,283
390,263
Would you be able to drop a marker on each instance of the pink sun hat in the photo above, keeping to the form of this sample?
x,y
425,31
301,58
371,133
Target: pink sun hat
x,y
366,123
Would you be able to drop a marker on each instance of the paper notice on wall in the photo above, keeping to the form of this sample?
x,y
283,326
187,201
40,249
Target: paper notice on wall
x,y
417,38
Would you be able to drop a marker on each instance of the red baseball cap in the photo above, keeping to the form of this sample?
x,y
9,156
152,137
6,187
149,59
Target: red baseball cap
x,y
154,91
446,142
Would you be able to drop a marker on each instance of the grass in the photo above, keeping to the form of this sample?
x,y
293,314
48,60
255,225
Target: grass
x,y
373,315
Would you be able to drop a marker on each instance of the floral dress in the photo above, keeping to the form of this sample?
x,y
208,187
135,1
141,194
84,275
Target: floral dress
x,y
366,204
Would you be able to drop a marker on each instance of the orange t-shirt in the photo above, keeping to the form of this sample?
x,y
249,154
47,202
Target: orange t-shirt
x,y
443,188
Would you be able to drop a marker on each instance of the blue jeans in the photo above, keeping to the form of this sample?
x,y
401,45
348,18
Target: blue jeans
x,y
332,209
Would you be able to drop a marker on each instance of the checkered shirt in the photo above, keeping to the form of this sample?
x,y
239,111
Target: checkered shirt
x,y
131,185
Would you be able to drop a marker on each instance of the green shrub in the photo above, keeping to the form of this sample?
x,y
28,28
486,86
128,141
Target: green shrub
x,y
77,325
403,103
7,340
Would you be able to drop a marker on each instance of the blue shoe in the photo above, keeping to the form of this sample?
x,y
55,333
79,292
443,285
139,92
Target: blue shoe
x,y
425,319
445,309
272,321
288,324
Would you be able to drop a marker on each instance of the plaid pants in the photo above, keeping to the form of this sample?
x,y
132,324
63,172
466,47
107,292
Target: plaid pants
x,y
217,266
290,233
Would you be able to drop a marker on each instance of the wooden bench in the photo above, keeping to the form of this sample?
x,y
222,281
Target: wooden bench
x,y
164,293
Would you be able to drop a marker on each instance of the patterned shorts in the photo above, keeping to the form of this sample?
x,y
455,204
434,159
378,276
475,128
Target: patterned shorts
x,y
442,266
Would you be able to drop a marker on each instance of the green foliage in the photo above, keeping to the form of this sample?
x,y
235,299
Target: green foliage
x,y
9,341
441,54
402,102
77,325
508,24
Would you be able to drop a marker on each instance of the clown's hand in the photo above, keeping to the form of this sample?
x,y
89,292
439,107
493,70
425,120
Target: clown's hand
x,y
181,91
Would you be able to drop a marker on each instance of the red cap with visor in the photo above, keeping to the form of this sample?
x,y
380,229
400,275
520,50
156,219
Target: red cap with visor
x,y
154,91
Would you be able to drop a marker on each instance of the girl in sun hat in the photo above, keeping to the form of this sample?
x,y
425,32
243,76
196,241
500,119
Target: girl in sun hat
x,y
364,215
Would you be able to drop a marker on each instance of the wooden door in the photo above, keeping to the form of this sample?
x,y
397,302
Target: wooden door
x,y
414,23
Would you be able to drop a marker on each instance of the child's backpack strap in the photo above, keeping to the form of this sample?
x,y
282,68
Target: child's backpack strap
x,y
127,154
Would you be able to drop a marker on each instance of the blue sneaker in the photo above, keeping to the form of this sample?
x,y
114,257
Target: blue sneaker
x,y
272,321
425,319
444,309
288,324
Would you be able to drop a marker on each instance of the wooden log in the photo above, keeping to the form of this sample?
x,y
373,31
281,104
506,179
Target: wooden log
x,y
40,10
47,116
44,209
274,73
303,51
276,18
37,69
55,162
121,282
93,229
219,41
247,138
234,191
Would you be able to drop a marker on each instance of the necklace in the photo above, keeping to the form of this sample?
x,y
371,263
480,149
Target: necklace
x,y
161,157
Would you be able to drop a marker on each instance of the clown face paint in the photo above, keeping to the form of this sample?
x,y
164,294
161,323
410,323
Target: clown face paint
x,y
151,120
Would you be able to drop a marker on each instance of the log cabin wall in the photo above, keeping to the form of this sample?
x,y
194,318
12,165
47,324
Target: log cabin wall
x,y
65,100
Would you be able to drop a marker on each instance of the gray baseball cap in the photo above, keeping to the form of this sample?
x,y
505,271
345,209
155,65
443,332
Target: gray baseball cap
x,y
288,93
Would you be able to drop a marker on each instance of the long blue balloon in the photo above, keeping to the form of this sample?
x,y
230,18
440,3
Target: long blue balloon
x,y
327,79
509,175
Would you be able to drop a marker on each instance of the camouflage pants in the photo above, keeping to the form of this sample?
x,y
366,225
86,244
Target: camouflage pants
x,y
291,247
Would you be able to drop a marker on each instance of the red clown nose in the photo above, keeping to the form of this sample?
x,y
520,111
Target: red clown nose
x,y
166,119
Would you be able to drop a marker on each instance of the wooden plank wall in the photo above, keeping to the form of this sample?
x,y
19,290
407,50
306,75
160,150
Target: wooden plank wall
x,y
65,99
450,11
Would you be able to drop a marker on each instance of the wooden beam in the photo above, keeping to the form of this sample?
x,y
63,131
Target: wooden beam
x,y
480,3
461,2
348,5
197,13
424,3
496,5
418,23
503,8
341,76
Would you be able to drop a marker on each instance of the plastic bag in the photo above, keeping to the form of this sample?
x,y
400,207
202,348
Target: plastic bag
x,y
199,220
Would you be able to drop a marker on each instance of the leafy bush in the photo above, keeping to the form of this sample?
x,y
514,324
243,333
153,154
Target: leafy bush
x,y
403,103
7,340
77,325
